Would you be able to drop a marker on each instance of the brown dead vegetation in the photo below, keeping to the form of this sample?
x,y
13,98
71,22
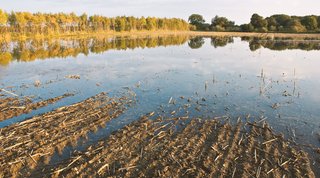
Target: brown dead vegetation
x,y
26,144
12,107
187,148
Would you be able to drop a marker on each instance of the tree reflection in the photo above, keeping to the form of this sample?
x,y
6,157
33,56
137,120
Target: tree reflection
x,y
196,42
221,41
280,44
30,50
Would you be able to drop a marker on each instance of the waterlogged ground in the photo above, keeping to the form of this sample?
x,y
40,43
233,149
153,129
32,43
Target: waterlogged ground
x,y
272,80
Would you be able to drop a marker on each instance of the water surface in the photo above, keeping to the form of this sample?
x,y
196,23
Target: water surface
x,y
276,80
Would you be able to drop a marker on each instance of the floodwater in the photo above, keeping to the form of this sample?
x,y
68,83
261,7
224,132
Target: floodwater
x,y
276,80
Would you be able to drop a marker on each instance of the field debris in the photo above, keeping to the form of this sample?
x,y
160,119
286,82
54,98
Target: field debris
x,y
73,76
37,83
9,92
26,144
12,107
275,106
187,148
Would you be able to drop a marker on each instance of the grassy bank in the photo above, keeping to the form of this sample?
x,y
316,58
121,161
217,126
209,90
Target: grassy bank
x,y
8,37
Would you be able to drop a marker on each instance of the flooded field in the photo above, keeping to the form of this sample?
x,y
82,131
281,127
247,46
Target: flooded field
x,y
167,106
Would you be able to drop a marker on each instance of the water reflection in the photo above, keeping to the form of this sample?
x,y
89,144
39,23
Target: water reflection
x,y
196,42
255,43
221,41
30,50
282,44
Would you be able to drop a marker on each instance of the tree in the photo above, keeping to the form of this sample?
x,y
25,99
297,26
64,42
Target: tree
x,y
247,27
3,18
294,25
196,20
83,21
21,21
221,24
282,22
141,24
52,22
258,22
281,19
131,23
272,24
151,23
39,21
3,21
12,19
120,23
310,22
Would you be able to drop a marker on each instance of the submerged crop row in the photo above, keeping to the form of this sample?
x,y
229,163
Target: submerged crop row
x,y
26,144
12,107
180,147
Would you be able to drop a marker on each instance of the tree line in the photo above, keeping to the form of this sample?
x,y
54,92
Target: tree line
x,y
274,23
46,23
52,23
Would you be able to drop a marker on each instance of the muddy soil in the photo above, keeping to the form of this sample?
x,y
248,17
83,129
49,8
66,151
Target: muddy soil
x,y
186,148
26,144
12,107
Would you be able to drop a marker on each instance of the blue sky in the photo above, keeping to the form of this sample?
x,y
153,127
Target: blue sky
x,y
236,10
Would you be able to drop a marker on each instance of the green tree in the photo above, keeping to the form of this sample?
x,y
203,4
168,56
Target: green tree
x,y
196,20
258,22
310,22
120,23
272,24
221,24
247,27
294,25
12,19
281,19
282,22
131,23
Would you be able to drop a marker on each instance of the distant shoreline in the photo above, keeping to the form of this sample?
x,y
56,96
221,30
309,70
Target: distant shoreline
x,y
261,35
306,36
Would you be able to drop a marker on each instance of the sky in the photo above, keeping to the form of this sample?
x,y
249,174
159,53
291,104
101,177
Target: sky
x,y
235,10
